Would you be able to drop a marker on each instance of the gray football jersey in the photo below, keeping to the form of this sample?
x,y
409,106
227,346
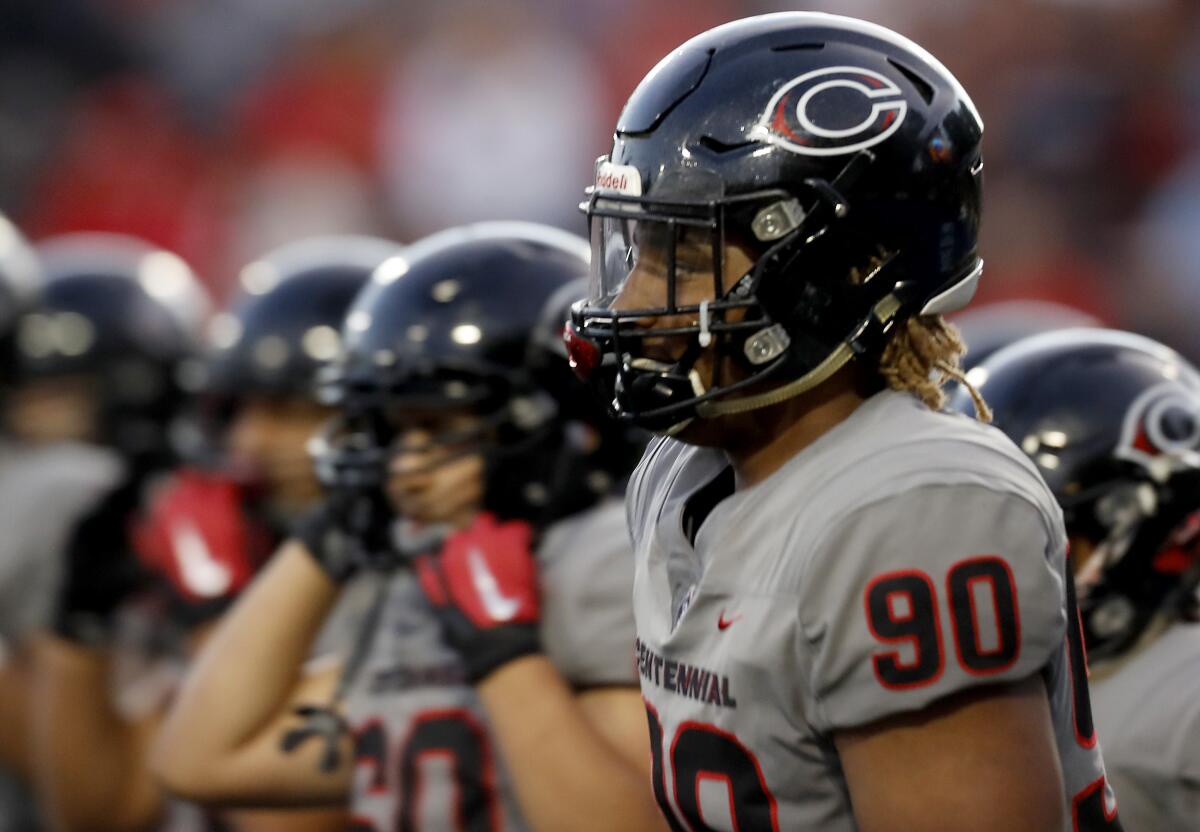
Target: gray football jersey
x,y
44,491
1148,711
424,757
904,556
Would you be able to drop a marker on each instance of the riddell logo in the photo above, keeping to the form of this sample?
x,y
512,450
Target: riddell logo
x,y
618,179
612,181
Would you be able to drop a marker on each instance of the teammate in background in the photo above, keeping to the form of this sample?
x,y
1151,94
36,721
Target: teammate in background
x,y
1112,421
507,699
216,521
850,606
95,366
203,530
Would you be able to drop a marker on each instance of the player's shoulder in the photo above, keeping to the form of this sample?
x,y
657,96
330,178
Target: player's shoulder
x,y
73,467
899,449
586,567
598,532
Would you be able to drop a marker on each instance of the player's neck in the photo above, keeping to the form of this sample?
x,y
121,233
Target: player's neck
x,y
779,433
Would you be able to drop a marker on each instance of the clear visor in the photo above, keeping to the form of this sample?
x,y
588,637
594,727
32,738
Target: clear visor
x,y
642,263
660,250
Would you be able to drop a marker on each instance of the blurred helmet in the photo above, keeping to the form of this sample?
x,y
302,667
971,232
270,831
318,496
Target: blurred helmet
x,y
471,319
986,329
286,321
20,281
123,313
1112,421
845,160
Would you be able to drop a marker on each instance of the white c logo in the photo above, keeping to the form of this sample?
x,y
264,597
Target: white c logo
x,y
788,120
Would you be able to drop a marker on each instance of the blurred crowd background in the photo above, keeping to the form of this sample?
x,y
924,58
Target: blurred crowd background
x,y
220,128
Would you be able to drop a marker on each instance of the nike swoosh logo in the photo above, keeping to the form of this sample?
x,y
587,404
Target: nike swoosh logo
x,y
202,574
499,606
724,623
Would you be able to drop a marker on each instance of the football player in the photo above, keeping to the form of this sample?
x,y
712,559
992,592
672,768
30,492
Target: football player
x,y
95,366
202,531
850,607
495,686
1112,421
210,527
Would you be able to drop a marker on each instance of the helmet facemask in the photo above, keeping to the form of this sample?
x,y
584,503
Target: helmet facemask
x,y
785,316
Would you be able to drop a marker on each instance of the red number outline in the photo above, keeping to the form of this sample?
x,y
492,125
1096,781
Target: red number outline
x,y
378,784
894,655
999,650
467,718
691,725
1097,785
406,810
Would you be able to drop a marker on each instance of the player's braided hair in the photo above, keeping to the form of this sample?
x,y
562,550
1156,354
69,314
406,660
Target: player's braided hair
x,y
923,354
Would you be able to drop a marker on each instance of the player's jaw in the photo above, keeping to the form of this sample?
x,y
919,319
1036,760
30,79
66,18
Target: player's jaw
x,y
645,289
267,442
432,481
53,410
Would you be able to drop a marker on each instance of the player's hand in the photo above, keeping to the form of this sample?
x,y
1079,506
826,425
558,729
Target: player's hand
x,y
347,531
100,573
483,585
201,538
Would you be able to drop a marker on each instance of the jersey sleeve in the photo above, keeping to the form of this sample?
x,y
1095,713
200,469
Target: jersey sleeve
x,y
925,593
587,598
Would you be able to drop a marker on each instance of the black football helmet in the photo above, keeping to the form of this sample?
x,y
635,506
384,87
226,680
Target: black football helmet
x,y
20,282
124,313
471,318
987,329
1112,421
845,160
286,322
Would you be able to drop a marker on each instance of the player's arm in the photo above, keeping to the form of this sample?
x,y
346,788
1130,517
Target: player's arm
x,y
220,743
285,820
579,761
16,680
980,760
90,759
937,612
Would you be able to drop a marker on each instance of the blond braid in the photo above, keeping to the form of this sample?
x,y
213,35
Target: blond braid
x,y
921,356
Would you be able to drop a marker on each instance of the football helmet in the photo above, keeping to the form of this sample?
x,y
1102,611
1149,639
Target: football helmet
x,y
286,321
1112,421
842,158
122,312
471,319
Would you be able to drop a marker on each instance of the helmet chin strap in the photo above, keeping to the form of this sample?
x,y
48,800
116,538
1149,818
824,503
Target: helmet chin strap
x,y
883,312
